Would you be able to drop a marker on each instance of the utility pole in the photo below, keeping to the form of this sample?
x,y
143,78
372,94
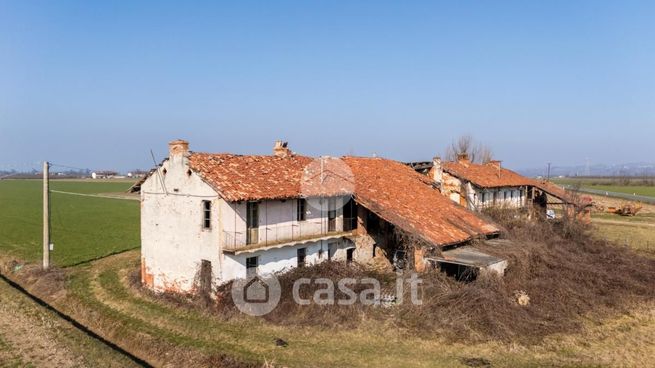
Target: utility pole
x,y
548,176
46,217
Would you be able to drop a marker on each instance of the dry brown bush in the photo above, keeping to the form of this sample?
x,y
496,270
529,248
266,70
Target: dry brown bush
x,y
566,274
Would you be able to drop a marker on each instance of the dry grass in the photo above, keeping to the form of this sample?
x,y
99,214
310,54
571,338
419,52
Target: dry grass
x,y
640,238
565,272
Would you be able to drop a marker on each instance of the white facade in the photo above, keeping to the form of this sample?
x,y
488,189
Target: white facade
x,y
505,197
184,222
473,197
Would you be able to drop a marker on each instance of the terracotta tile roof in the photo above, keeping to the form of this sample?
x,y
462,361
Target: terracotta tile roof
x,y
394,191
238,177
486,175
405,198
554,190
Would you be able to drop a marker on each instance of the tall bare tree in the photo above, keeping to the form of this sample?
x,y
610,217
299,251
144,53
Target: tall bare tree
x,y
477,152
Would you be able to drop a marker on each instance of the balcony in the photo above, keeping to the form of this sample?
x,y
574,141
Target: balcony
x,y
274,236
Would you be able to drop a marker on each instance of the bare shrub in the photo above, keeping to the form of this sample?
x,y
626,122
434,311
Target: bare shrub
x,y
477,152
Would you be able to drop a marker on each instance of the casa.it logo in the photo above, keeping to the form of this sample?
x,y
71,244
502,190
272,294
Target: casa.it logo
x,y
259,295
256,295
327,177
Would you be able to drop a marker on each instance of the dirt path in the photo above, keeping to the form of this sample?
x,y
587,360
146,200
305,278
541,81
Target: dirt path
x,y
618,222
30,335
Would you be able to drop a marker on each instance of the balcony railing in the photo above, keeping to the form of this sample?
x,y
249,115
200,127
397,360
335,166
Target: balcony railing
x,y
277,235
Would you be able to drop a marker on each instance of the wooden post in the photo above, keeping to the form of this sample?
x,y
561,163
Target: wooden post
x,y
46,217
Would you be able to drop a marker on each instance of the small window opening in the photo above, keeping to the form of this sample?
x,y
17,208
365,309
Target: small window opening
x,y
301,209
164,171
206,214
188,172
251,266
301,253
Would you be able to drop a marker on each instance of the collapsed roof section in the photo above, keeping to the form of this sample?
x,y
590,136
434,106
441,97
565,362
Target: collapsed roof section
x,y
401,196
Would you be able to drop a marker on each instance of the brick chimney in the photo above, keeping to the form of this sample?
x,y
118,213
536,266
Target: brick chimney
x,y
463,158
177,149
496,164
281,149
437,170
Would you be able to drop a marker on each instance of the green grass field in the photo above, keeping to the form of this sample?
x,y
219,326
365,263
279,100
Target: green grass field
x,y
610,185
628,189
82,228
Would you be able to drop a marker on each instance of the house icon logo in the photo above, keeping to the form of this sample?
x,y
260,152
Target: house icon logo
x,y
256,295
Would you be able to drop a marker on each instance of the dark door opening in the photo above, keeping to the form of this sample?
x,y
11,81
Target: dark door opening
x,y
205,277
332,214
349,254
252,223
301,254
459,272
350,215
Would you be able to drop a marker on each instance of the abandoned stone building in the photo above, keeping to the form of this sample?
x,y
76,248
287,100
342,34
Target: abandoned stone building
x,y
228,216
479,186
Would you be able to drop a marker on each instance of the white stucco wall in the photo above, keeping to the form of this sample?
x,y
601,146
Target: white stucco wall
x,y
173,241
506,197
277,220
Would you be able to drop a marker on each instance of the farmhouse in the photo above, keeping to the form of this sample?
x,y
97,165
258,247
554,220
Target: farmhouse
x,y
480,186
221,217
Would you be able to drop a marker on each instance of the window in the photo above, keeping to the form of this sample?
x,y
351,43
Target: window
x,y
484,195
301,253
252,223
301,209
332,214
511,194
251,266
505,195
206,214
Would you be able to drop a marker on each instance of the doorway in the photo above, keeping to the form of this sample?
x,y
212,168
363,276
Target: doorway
x,y
252,223
349,254
332,215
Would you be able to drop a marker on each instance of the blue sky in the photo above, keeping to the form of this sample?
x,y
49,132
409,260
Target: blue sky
x,y
99,84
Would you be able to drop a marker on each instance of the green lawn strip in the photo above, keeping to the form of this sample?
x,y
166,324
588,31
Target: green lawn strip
x,y
648,191
80,285
208,333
